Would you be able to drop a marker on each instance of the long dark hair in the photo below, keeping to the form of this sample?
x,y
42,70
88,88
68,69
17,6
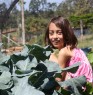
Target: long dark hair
x,y
67,31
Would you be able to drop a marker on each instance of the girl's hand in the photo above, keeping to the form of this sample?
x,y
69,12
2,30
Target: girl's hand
x,y
64,55
66,51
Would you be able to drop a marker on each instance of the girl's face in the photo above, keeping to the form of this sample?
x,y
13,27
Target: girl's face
x,y
56,36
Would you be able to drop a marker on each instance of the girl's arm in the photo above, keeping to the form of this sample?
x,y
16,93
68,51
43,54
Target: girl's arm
x,y
64,56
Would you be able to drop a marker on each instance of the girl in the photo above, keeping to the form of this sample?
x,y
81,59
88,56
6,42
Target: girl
x,y
59,35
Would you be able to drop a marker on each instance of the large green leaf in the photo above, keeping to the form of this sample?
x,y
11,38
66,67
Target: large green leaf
x,y
49,87
15,58
48,50
74,85
5,75
5,92
4,58
55,68
73,68
3,68
52,66
24,52
20,55
5,80
37,79
26,64
41,53
23,88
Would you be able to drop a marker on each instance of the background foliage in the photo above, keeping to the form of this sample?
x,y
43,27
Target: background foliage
x,y
39,13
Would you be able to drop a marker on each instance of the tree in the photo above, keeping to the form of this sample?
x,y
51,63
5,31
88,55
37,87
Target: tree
x,y
65,8
34,6
87,20
6,15
2,12
43,4
81,7
3,8
23,24
21,4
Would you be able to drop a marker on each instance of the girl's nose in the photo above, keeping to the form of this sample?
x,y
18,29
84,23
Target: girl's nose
x,y
55,35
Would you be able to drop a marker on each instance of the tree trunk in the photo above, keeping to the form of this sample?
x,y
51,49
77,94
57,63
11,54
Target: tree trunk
x,y
6,15
23,26
81,28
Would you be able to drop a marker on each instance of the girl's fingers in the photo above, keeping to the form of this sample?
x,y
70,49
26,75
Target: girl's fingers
x,y
68,47
69,50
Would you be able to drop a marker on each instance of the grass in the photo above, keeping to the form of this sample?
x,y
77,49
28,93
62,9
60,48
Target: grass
x,y
85,41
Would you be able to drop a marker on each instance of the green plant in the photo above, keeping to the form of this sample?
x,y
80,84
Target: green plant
x,y
90,57
29,72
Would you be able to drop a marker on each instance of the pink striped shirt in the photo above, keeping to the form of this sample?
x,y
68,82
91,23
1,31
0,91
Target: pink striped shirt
x,y
85,67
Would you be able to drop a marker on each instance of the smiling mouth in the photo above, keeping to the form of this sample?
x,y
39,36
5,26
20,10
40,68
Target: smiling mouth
x,y
55,42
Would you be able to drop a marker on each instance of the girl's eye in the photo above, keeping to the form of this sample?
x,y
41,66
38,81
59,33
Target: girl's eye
x,y
59,32
51,32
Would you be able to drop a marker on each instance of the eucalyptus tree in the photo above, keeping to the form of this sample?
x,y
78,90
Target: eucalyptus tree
x,y
34,6
65,8
52,6
75,7
21,4
3,9
43,4
50,9
23,23
81,7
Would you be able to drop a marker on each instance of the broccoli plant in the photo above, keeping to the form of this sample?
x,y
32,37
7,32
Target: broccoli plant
x,y
29,72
